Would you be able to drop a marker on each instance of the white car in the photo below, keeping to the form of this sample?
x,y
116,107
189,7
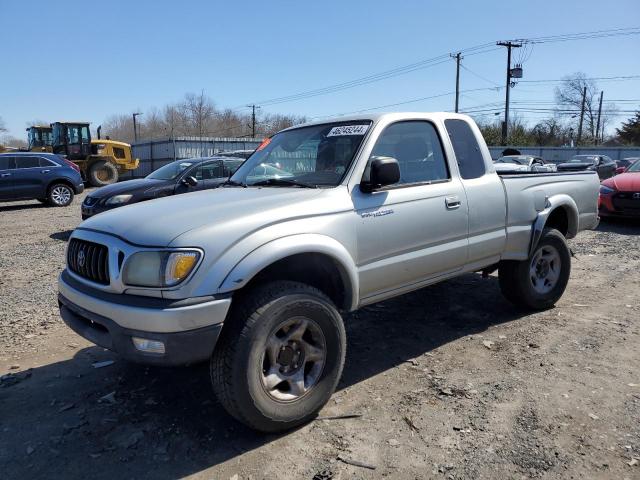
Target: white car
x,y
523,163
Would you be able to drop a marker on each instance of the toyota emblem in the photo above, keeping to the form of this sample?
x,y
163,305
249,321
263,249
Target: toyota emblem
x,y
81,258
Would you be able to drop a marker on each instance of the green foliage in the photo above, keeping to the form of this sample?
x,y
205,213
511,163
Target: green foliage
x,y
629,132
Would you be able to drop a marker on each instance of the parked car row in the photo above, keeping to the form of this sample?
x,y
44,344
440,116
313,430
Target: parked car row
x,y
602,164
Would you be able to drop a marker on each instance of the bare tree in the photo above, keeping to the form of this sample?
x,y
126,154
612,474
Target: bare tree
x,y
569,96
3,128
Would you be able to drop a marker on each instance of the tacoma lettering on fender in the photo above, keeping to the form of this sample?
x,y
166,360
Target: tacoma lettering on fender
x,y
322,218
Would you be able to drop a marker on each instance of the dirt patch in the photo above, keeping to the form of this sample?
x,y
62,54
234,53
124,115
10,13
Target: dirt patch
x,y
449,382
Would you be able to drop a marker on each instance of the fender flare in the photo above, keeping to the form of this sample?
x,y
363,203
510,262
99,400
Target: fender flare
x,y
269,253
551,204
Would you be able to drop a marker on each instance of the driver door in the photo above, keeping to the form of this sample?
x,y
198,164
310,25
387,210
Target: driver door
x,y
415,230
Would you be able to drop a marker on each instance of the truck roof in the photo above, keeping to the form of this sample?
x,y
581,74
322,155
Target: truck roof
x,y
375,117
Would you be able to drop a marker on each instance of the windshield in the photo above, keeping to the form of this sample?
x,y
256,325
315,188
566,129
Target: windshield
x,y
635,167
514,159
39,137
170,171
584,159
318,155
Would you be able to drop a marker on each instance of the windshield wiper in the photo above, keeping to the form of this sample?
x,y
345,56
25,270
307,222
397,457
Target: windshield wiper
x,y
233,183
283,182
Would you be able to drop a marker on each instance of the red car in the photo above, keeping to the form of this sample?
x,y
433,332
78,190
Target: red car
x,y
620,195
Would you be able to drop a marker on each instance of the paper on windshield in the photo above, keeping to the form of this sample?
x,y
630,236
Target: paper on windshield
x,y
344,130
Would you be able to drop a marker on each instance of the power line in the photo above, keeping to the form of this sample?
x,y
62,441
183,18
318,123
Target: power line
x,y
478,75
615,78
402,70
616,32
404,102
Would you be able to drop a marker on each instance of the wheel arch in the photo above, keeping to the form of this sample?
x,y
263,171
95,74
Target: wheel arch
x,y
62,180
317,260
560,213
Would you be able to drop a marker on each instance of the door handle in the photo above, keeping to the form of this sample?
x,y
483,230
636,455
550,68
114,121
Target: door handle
x,y
45,171
5,174
452,202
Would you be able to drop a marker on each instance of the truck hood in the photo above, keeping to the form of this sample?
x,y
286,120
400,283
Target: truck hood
x,y
231,212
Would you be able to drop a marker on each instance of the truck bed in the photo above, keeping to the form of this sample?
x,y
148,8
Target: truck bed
x,y
529,193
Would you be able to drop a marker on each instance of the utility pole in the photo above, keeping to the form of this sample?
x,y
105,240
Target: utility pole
x,y
458,58
599,113
135,130
505,126
253,120
584,97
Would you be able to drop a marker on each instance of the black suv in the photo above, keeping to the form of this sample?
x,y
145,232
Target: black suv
x,y
181,176
42,176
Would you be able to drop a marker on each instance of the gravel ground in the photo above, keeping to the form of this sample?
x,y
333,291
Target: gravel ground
x,y
448,382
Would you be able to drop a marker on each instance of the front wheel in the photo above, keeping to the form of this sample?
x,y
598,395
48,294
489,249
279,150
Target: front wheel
x,y
539,282
280,356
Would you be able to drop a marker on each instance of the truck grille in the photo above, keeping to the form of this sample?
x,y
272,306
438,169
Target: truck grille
x,y
89,260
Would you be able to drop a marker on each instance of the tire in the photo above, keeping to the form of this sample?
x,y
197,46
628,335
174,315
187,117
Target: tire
x,y
60,195
241,360
539,282
101,173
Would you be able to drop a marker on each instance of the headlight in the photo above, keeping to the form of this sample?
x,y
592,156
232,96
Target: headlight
x,y
159,269
604,190
118,199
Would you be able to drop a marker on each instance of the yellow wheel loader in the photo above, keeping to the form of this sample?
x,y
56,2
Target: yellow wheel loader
x,y
40,138
101,161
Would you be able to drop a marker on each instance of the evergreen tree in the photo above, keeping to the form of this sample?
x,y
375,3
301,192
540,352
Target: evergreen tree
x,y
630,130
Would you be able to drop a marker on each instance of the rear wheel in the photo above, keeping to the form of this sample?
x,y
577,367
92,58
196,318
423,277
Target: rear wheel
x,y
60,195
101,173
539,282
280,356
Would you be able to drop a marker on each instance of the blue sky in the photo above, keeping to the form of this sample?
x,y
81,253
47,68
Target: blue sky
x,y
87,60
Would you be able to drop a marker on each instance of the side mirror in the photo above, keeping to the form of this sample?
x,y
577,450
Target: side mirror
x,y
620,170
190,181
384,171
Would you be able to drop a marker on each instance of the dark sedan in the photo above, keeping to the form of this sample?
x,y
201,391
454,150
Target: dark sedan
x,y
46,177
602,164
177,177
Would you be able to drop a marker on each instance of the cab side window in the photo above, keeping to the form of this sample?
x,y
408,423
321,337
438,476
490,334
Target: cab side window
x,y
416,146
467,149
27,162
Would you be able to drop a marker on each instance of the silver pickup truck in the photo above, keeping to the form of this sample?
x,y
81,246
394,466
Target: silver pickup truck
x,y
323,218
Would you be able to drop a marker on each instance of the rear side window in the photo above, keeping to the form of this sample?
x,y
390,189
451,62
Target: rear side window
x,y
210,171
46,163
230,168
7,163
27,162
466,148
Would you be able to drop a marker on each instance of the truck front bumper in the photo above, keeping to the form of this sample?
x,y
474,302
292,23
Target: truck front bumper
x,y
176,332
